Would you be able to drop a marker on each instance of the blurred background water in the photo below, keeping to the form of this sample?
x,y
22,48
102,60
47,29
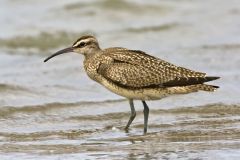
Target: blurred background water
x,y
54,111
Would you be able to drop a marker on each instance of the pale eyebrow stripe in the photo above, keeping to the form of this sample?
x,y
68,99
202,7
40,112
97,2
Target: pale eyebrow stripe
x,y
84,40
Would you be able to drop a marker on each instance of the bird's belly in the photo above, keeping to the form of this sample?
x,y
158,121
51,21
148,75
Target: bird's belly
x,y
137,94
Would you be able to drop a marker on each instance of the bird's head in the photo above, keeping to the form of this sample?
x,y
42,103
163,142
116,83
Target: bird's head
x,y
85,45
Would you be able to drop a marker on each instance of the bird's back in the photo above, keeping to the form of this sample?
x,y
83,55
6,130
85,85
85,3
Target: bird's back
x,y
136,69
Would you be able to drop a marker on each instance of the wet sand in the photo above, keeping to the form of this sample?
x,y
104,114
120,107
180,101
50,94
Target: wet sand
x,y
54,111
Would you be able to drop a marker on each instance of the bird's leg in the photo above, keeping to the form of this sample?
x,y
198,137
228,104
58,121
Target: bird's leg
x,y
133,114
145,112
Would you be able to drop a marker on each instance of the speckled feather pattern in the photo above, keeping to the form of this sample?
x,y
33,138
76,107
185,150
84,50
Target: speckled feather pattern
x,y
136,69
141,75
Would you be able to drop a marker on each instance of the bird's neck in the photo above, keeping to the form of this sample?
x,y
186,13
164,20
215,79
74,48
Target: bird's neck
x,y
92,52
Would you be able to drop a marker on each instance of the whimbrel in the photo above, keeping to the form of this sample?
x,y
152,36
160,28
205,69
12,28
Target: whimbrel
x,y
136,75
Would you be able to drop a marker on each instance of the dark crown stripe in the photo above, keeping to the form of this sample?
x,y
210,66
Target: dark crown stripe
x,y
82,38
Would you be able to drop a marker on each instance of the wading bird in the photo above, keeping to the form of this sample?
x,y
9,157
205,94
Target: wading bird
x,y
136,75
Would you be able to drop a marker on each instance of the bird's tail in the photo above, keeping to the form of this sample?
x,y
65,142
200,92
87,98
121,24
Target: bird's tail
x,y
206,87
192,88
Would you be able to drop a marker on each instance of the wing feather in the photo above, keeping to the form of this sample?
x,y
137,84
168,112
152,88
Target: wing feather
x,y
136,69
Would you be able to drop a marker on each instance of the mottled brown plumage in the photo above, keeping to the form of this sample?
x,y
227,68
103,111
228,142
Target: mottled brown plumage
x,y
136,75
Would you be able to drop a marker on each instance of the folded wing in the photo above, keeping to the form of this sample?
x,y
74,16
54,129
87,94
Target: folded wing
x,y
136,69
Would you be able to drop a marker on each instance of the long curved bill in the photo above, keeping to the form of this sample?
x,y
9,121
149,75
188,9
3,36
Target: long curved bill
x,y
66,50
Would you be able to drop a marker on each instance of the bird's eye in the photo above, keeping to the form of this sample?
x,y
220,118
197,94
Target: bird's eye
x,y
82,44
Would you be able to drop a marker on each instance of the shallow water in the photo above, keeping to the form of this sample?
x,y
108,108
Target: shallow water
x,y
54,111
